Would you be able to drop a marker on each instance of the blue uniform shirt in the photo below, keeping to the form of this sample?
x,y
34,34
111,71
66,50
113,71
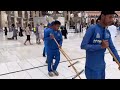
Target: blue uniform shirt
x,y
92,44
45,31
51,44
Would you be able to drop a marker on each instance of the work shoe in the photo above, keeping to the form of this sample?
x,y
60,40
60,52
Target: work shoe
x,y
46,61
56,73
44,55
50,74
113,59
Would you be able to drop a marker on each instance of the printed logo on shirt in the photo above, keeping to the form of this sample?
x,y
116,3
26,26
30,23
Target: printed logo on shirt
x,y
98,35
58,34
97,41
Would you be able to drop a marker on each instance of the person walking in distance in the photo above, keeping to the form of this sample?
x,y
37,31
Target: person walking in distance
x,y
14,32
5,31
28,33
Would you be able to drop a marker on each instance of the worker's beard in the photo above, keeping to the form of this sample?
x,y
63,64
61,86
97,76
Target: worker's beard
x,y
103,23
106,24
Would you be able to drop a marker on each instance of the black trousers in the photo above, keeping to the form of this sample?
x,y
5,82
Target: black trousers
x,y
65,36
5,33
14,37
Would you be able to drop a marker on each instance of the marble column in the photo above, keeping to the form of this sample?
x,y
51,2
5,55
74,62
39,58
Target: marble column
x,y
15,18
22,18
37,13
66,16
3,19
68,20
28,17
40,13
33,13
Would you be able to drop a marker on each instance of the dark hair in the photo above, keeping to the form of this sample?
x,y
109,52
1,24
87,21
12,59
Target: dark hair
x,y
29,25
113,23
92,21
13,25
65,28
97,20
56,22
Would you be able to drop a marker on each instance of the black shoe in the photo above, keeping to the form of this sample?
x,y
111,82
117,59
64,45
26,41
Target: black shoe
x,y
44,55
56,73
50,74
113,59
46,61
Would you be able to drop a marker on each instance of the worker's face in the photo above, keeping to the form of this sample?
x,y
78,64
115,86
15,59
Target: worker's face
x,y
108,19
56,27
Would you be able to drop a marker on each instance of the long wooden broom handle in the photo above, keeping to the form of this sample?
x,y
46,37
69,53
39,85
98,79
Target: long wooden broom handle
x,y
73,63
70,63
66,57
113,56
63,50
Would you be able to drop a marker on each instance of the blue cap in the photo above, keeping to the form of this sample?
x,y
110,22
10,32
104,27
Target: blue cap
x,y
108,12
48,24
52,23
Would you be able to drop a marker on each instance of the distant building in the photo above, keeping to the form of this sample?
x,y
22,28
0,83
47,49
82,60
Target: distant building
x,y
95,14
19,18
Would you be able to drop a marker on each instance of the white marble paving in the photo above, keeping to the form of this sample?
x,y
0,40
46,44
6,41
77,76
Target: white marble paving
x,y
3,68
112,73
24,65
34,62
13,66
14,56
21,75
45,71
37,74
42,60
8,76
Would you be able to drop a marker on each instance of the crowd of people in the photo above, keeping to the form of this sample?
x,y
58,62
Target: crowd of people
x,y
98,37
47,34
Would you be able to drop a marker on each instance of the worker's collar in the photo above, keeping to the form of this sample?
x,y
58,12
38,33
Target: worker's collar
x,y
101,26
54,30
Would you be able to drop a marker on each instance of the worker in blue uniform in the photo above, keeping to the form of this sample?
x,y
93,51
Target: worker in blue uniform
x,y
45,48
95,42
52,47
